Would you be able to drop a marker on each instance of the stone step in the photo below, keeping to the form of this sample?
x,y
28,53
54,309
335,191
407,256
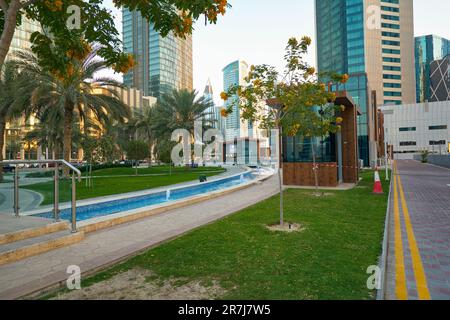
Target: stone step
x,y
18,250
33,231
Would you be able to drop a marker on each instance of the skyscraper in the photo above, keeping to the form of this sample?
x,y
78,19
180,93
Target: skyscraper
x,y
428,48
209,95
440,79
378,57
234,74
163,63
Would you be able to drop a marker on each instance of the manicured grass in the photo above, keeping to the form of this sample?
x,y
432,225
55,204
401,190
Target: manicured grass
x,y
117,185
153,170
342,237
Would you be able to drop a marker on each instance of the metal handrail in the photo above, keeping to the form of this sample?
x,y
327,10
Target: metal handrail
x,y
56,188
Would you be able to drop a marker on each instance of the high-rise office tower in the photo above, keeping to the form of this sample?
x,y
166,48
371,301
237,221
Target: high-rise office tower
x,y
373,42
209,95
428,48
440,79
234,74
163,63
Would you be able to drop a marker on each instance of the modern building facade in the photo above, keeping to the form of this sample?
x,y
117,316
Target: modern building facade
x,y
13,147
336,154
208,94
234,74
428,49
163,63
373,42
440,80
412,128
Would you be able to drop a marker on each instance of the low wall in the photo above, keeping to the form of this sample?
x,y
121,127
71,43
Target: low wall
x,y
438,160
302,174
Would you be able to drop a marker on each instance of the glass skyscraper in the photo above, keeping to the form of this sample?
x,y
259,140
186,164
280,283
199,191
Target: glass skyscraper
x,y
163,63
340,40
234,74
428,49
378,58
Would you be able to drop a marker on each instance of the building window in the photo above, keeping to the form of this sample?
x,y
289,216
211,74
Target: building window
x,y
438,143
443,127
407,129
408,143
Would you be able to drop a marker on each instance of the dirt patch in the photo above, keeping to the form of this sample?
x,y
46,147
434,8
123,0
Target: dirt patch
x,y
286,227
138,284
322,194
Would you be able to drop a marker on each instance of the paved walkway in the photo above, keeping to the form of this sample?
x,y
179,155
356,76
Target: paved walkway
x,y
419,233
111,245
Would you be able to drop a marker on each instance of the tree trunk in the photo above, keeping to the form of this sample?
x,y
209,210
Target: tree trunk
x,y
9,26
2,144
68,122
280,175
150,147
316,178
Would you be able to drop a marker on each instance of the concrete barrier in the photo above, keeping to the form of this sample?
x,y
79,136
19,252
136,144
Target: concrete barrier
x,y
438,160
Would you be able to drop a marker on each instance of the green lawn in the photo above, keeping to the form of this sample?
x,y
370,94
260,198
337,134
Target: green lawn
x,y
153,170
328,260
117,185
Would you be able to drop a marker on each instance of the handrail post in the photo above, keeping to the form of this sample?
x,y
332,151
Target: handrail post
x,y
74,204
56,193
16,191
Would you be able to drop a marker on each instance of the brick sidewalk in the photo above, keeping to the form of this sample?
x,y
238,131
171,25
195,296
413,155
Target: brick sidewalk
x,y
427,196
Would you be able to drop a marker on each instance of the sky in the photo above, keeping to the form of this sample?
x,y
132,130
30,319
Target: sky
x,y
257,31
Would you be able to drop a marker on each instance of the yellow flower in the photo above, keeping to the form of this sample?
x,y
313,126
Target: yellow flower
x,y
345,78
256,82
339,120
307,40
224,96
224,113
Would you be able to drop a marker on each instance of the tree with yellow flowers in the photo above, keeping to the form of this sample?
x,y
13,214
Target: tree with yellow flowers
x,y
97,24
296,101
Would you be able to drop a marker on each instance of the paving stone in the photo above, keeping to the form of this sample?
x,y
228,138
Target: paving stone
x,y
428,199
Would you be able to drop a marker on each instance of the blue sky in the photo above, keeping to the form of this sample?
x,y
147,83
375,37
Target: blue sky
x,y
257,31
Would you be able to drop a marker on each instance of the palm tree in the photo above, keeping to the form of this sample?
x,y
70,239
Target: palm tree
x,y
144,124
180,110
15,94
49,131
78,93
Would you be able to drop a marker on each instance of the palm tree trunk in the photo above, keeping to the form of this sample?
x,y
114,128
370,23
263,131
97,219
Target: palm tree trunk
x,y
68,121
2,143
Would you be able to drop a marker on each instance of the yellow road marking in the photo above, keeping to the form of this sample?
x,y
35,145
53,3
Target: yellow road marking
x,y
400,279
419,273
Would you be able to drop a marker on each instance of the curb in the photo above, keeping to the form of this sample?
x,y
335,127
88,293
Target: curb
x,y
383,261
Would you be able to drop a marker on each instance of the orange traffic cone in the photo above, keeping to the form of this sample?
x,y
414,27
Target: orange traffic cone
x,y
377,188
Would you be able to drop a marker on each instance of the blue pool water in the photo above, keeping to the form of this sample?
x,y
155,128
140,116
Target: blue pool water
x,y
121,205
